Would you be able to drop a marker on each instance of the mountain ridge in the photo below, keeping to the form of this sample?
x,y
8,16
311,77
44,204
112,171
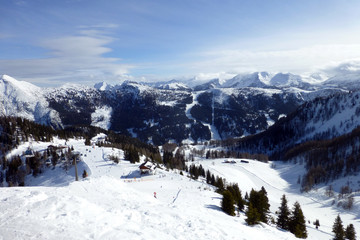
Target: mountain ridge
x,y
159,113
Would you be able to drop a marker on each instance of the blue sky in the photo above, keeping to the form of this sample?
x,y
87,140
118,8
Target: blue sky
x,y
86,41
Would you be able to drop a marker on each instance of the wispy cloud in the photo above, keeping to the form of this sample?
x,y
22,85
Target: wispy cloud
x,y
291,60
79,58
346,67
5,35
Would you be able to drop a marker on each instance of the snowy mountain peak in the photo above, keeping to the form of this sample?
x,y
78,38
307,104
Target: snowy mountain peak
x,y
25,87
102,86
214,83
135,87
23,99
256,79
285,79
75,86
172,85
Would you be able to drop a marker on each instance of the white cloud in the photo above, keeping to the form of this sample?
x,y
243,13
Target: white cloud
x,y
299,60
71,59
78,46
346,67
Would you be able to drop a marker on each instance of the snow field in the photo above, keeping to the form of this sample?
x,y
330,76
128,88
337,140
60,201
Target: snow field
x,y
282,179
116,202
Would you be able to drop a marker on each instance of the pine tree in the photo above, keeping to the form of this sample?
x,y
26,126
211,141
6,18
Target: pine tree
x,y
208,177
236,192
284,214
252,215
241,204
338,229
297,224
227,203
219,183
212,180
87,142
132,155
260,201
350,232
265,206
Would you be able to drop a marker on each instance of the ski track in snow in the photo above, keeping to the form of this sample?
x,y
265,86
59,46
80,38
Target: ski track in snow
x,y
213,131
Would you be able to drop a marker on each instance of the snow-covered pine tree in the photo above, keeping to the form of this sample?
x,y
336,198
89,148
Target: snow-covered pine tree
x,y
350,232
227,203
338,229
260,201
252,215
283,214
297,224
236,192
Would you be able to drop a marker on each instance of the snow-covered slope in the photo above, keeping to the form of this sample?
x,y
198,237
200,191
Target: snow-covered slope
x,y
102,117
345,75
319,119
172,85
79,104
348,81
159,112
288,80
23,99
103,86
115,201
256,79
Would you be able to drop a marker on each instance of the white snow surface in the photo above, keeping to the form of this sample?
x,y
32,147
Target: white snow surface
x,y
256,79
102,86
101,117
23,99
116,202
214,132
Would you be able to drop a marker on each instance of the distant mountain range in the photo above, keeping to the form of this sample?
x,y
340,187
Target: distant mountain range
x,y
175,111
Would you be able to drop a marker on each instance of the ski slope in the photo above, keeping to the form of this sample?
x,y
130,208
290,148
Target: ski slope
x,y
281,179
116,202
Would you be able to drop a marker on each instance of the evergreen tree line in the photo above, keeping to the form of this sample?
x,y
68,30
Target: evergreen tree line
x,y
257,204
14,130
293,221
15,169
257,210
172,161
198,171
340,233
328,160
213,154
133,148
286,132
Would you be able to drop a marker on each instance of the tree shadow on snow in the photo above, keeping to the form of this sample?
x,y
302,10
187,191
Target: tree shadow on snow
x,y
214,207
106,165
133,174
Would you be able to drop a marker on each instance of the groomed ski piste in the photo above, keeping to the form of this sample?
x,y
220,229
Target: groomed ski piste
x,y
116,202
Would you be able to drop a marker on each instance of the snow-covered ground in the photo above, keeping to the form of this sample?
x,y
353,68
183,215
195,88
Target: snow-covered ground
x,y
116,202
102,117
213,131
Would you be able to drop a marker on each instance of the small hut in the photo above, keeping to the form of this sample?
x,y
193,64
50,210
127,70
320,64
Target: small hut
x,y
29,153
147,168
